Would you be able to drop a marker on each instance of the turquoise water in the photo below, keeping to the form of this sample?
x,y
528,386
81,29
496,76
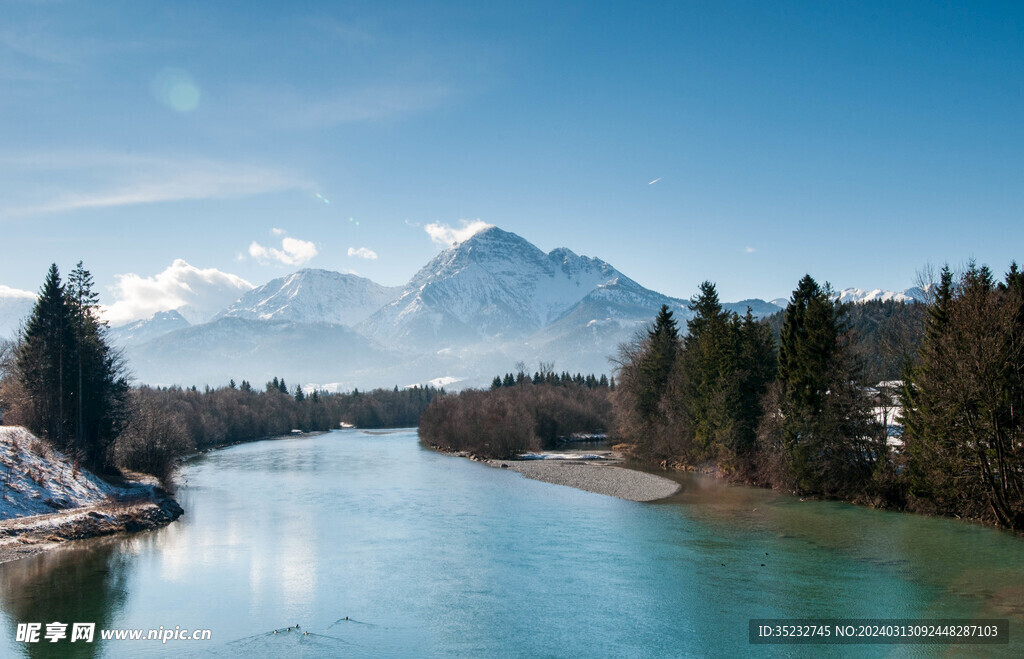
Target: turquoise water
x,y
429,555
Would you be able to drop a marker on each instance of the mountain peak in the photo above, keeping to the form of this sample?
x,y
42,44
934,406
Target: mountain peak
x,y
312,295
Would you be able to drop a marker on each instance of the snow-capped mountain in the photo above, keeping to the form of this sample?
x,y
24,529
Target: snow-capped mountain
x,y
313,296
498,286
758,308
858,295
15,306
140,331
474,310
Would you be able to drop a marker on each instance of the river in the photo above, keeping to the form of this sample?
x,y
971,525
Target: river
x,y
430,555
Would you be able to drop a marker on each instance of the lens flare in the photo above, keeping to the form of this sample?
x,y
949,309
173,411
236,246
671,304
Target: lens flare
x,y
176,89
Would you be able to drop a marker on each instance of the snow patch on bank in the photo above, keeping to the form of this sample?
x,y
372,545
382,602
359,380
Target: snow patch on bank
x,y
561,456
36,479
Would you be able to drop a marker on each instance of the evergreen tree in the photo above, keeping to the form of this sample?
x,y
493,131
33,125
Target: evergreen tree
x,y
964,426
496,383
75,382
44,361
825,440
709,359
299,395
657,362
755,368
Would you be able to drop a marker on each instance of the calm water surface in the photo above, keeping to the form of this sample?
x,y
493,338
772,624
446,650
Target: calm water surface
x,y
429,555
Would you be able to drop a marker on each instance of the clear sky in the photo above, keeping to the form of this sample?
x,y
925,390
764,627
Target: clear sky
x,y
856,141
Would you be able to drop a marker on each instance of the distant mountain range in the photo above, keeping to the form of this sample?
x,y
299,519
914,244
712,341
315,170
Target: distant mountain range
x,y
474,310
15,306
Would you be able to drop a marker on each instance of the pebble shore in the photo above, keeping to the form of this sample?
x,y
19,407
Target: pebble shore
x,y
600,477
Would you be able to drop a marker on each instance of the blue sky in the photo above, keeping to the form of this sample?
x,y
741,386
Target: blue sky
x,y
856,141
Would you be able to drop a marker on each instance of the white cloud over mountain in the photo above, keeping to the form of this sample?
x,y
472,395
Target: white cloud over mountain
x,y
196,293
293,252
363,253
447,235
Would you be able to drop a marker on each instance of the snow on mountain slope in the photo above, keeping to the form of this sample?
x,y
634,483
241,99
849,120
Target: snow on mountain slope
x,y
15,306
140,331
313,296
858,295
758,308
493,285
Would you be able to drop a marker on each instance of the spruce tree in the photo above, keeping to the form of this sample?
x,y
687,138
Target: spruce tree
x,y
709,363
756,366
826,434
657,362
74,381
44,360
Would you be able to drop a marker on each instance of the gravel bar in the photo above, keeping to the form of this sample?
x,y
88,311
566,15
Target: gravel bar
x,y
594,477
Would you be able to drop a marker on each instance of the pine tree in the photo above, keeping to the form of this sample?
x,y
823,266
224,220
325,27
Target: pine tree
x,y
44,360
657,362
709,364
74,381
964,427
755,368
496,383
826,436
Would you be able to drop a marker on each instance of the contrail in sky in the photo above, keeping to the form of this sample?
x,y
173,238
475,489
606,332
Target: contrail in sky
x,y
655,181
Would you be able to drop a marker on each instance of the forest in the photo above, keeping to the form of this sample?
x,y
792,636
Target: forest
x,y
801,412
519,413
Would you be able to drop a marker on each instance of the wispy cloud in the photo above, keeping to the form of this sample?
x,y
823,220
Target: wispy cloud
x,y
293,252
363,253
447,235
197,293
749,250
8,292
106,180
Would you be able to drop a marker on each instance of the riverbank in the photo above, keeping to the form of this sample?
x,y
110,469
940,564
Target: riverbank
x,y
21,537
46,499
606,475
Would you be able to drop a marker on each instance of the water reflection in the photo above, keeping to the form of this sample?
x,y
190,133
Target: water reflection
x,y
83,583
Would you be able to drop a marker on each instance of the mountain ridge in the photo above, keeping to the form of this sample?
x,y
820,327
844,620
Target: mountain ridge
x,y
472,310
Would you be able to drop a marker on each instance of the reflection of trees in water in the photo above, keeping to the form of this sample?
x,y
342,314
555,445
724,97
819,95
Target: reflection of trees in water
x,y
68,586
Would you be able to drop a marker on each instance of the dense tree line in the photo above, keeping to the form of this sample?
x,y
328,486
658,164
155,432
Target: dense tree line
x,y
888,334
62,380
795,411
695,399
167,423
513,419
963,401
548,376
